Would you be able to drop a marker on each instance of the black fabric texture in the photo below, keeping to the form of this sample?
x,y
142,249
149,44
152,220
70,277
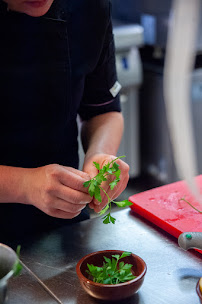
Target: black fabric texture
x,y
51,68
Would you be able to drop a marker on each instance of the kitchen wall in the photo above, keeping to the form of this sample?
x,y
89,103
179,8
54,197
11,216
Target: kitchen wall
x,y
155,145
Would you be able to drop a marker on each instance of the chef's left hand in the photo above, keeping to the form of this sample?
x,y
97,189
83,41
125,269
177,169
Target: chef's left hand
x,y
103,159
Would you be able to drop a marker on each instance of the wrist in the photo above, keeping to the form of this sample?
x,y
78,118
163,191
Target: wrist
x,y
23,185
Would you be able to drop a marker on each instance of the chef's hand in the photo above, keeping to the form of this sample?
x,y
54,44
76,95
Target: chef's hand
x,y
90,169
57,190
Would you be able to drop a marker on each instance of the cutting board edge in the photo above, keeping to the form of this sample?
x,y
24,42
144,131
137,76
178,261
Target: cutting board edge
x,y
158,222
155,220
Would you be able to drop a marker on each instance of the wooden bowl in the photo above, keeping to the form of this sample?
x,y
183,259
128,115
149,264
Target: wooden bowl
x,y
111,292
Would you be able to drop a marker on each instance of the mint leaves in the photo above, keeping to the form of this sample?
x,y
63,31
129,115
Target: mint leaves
x,y
112,272
94,187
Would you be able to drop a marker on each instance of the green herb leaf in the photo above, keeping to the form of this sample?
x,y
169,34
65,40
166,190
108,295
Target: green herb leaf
x,y
127,266
17,267
106,219
122,204
125,254
100,178
110,171
116,256
121,264
116,166
107,260
107,281
111,272
112,220
97,194
86,184
113,184
104,210
94,186
97,166
117,174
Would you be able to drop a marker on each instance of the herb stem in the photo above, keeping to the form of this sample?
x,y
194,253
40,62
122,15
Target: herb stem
x,y
183,199
116,263
109,199
111,162
41,283
94,187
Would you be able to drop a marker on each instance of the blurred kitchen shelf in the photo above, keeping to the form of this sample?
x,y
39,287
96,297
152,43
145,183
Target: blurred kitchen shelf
x,y
135,185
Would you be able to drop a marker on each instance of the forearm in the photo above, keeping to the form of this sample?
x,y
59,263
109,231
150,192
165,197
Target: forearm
x,y
101,139
56,190
12,184
102,134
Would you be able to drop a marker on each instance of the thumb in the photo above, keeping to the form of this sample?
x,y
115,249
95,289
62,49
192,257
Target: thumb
x,y
90,169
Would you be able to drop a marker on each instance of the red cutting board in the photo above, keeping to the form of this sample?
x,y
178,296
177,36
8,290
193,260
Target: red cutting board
x,y
163,207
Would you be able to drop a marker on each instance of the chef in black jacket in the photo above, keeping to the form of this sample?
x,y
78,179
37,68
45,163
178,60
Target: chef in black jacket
x,y
56,61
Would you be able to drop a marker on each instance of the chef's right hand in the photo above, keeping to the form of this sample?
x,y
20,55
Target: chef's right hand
x,y
57,190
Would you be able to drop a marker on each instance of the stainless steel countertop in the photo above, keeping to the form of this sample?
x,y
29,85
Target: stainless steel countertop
x,y
171,275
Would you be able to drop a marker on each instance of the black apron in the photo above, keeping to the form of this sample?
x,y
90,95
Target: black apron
x,y
35,104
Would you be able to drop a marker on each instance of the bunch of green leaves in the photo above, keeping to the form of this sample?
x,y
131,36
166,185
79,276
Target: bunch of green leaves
x,y
112,272
95,188
17,267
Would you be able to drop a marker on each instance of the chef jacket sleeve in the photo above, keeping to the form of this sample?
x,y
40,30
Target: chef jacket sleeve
x,y
101,86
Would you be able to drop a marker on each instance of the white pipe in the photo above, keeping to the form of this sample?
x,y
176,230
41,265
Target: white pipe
x,y
180,56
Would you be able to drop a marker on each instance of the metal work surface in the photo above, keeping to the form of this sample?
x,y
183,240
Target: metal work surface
x,y
171,275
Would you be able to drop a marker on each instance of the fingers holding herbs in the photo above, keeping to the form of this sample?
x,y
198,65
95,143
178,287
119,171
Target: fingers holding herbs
x,y
116,182
57,190
100,201
103,186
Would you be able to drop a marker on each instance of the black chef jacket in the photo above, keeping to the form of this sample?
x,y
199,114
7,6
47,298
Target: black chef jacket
x,y
51,69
